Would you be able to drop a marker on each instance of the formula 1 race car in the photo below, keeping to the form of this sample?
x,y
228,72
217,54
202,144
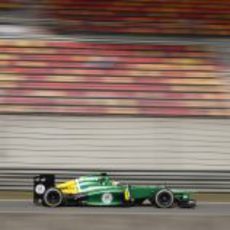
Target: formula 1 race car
x,y
101,190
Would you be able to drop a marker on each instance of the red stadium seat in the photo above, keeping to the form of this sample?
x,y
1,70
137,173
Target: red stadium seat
x,y
69,77
179,17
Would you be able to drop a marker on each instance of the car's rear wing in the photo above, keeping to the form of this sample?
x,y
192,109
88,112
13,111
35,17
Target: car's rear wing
x,y
41,183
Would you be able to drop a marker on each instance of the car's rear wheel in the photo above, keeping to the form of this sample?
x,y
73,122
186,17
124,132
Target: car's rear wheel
x,y
164,199
53,198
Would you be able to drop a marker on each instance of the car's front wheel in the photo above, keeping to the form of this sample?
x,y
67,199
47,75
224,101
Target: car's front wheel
x,y
164,199
53,198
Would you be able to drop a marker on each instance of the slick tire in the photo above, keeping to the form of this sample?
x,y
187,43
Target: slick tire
x,y
53,198
164,199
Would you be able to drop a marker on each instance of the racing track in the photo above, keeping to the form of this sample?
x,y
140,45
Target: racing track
x,y
23,215
27,207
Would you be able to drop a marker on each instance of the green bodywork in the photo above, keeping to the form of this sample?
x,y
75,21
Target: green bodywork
x,y
102,191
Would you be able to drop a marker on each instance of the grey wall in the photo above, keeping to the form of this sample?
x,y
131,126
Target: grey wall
x,y
114,143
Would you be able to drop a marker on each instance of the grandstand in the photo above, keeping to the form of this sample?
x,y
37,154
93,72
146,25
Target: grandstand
x,y
9,4
41,76
168,17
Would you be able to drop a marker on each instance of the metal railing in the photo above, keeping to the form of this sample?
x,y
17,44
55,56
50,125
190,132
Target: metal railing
x,y
202,181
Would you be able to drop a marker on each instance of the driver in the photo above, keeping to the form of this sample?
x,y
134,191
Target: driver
x,y
106,181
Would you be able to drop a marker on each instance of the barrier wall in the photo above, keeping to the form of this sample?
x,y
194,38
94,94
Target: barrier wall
x,y
114,143
187,153
16,179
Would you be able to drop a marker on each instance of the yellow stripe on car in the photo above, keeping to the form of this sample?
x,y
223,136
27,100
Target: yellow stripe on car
x,y
127,194
69,187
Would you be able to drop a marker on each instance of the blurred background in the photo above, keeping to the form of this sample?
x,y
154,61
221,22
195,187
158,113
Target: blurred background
x,y
137,88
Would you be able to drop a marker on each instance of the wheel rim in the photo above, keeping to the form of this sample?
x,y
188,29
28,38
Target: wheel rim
x,y
164,199
53,198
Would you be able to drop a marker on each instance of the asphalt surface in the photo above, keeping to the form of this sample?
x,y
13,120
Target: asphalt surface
x,y
27,207
23,215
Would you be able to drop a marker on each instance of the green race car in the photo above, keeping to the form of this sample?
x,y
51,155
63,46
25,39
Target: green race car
x,y
101,190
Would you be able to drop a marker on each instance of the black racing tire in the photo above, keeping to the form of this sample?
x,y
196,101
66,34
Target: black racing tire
x,y
53,198
164,198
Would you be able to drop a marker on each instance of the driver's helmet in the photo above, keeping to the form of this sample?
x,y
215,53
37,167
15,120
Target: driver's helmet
x,y
105,180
